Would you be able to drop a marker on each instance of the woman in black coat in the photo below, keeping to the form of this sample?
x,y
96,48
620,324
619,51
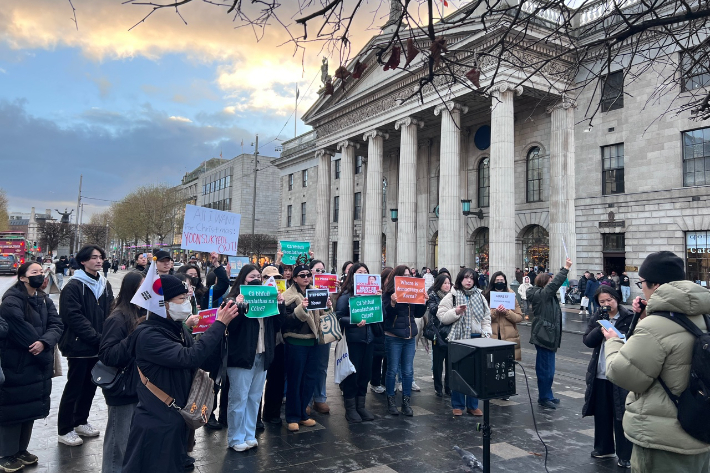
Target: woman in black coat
x,y
33,329
604,400
379,358
440,349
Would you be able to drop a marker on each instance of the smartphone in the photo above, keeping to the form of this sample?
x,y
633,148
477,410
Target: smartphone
x,y
610,327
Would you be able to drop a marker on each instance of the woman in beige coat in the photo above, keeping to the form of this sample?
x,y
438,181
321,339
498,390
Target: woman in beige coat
x,y
504,322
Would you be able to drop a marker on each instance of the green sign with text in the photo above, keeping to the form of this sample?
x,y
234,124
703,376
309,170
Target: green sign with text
x,y
367,308
261,299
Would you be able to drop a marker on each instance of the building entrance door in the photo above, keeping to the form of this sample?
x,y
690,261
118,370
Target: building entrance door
x,y
614,252
614,262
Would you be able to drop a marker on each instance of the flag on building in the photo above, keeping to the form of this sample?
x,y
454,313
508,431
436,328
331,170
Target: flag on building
x,y
150,294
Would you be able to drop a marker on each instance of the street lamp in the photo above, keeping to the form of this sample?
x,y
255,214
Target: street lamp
x,y
466,209
393,215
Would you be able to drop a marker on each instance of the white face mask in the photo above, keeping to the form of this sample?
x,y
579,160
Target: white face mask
x,y
180,312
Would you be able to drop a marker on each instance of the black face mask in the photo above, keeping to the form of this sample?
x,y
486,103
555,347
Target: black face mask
x,y
36,281
195,281
499,286
255,282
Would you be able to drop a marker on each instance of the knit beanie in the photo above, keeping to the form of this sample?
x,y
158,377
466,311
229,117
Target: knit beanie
x,y
299,268
662,267
172,286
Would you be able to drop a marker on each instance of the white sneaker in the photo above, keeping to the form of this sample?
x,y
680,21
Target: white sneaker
x,y
415,387
71,439
377,389
398,387
242,447
252,443
86,430
581,312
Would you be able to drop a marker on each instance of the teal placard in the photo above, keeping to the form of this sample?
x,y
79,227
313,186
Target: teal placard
x,y
294,249
367,308
261,299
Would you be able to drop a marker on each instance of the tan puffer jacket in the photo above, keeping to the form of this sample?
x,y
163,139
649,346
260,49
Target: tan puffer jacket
x,y
506,328
659,347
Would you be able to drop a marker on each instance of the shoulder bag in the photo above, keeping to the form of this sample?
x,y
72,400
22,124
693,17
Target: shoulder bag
x,y
108,378
330,330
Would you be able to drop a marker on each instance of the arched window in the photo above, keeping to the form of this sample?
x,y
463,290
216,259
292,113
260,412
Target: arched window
x,y
480,248
484,183
536,247
534,173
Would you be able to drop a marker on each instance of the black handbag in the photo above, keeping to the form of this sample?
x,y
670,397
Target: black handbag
x,y
108,378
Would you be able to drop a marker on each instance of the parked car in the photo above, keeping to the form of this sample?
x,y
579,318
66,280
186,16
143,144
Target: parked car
x,y
8,264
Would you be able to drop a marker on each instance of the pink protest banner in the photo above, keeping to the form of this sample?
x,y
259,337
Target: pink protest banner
x,y
326,281
409,290
207,318
367,284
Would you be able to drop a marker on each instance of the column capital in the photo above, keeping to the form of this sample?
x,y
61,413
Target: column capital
x,y
564,104
505,86
325,152
374,134
346,143
450,106
408,121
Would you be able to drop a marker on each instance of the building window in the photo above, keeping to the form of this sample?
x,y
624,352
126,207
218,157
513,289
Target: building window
x,y
534,175
289,213
334,257
356,251
358,164
613,242
303,213
536,247
304,177
694,69
228,203
484,183
613,169
480,248
697,250
696,157
336,208
228,181
613,91
337,169
358,206
290,182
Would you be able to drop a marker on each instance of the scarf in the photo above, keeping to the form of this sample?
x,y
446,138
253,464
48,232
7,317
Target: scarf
x,y
441,294
470,322
97,286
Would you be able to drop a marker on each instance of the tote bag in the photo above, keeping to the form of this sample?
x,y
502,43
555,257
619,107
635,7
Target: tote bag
x,y
343,365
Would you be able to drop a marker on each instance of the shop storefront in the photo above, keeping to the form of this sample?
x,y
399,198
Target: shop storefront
x,y
697,259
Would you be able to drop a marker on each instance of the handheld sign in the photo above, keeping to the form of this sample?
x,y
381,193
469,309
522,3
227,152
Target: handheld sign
x,y
294,249
409,290
234,265
506,299
261,299
207,318
367,284
367,308
326,281
210,230
317,299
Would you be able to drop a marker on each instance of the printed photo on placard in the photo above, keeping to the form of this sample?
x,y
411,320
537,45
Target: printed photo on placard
x,y
367,284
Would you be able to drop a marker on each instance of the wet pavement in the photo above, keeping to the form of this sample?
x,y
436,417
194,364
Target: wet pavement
x,y
422,443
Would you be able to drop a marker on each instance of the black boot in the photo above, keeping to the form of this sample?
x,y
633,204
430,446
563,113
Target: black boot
x,y
392,406
351,414
212,424
364,413
406,410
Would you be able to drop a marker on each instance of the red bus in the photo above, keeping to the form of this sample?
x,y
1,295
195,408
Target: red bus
x,y
13,251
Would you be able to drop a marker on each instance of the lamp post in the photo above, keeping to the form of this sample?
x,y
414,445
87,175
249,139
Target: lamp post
x,y
393,215
466,210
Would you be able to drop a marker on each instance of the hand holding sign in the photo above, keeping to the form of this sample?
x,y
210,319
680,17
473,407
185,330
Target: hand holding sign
x,y
317,299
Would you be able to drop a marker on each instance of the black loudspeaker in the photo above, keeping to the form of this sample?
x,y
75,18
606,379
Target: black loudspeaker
x,y
482,367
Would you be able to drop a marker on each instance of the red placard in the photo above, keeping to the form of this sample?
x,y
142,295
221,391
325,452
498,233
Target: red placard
x,y
207,318
326,281
409,290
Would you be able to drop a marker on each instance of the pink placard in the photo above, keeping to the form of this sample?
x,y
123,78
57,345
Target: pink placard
x,y
207,318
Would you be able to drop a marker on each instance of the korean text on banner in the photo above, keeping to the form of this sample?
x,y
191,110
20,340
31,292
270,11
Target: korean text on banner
x,y
409,290
261,299
210,230
506,299
326,281
367,308
294,249
317,299
207,318
367,284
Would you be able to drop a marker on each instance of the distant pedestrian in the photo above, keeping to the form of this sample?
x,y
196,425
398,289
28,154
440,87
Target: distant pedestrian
x,y
582,288
60,270
522,292
518,275
114,265
590,290
106,266
428,279
625,284
616,279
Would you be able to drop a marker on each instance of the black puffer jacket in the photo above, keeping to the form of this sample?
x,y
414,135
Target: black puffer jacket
x,y
353,333
594,338
399,320
546,330
244,336
116,350
432,306
28,378
83,318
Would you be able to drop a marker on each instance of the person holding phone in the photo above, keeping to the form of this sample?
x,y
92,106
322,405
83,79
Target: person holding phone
x,y
603,399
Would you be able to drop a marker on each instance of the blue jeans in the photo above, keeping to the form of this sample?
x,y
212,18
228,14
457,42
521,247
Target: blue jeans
x,y
625,293
319,394
400,352
301,377
461,401
545,371
60,279
245,389
116,437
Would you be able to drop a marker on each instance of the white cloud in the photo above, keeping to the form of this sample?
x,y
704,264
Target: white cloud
x,y
178,118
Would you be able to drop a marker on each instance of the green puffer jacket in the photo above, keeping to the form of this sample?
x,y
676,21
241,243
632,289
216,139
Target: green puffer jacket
x,y
546,330
659,347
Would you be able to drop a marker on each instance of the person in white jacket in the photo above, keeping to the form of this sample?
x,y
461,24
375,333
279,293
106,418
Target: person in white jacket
x,y
522,290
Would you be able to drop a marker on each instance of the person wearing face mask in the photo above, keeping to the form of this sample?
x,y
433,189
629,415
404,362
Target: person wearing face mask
x,y
217,284
504,322
167,357
199,290
34,329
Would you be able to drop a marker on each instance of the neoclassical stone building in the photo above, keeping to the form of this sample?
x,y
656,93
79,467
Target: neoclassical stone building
x,y
538,179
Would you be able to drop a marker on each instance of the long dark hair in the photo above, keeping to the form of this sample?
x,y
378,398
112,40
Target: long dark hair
x,y
439,281
349,283
462,274
398,271
129,286
241,277
487,291
200,289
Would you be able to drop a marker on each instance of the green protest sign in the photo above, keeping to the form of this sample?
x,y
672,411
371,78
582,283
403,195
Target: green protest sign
x,y
261,299
367,308
294,249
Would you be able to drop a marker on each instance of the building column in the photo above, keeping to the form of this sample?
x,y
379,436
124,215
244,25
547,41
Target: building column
x,y
372,231
423,205
449,188
407,202
562,186
321,241
347,204
502,192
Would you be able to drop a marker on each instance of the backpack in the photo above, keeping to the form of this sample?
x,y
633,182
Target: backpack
x,y
694,403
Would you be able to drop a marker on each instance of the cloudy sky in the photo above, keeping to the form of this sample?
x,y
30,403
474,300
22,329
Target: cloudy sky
x,y
126,108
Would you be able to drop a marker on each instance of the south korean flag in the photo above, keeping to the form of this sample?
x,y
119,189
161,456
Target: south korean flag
x,y
150,294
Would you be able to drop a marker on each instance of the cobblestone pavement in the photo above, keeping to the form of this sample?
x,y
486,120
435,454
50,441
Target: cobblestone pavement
x,y
423,443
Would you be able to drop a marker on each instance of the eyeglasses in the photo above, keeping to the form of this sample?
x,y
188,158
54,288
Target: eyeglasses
x,y
638,284
304,275
319,271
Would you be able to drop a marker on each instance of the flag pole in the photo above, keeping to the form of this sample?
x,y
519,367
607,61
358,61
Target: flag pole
x,y
295,114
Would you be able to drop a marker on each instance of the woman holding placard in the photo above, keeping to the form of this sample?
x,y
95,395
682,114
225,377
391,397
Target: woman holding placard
x,y
360,338
467,311
504,321
320,397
